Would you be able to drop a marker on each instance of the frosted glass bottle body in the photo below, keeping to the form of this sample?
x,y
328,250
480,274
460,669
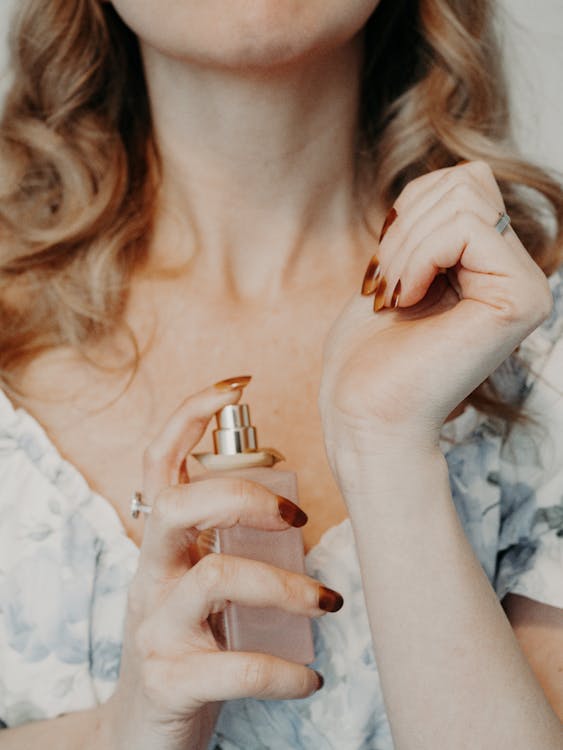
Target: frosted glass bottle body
x,y
263,629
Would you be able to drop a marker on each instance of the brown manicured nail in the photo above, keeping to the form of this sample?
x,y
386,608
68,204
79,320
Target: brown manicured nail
x,y
329,600
320,678
396,294
371,277
389,219
233,384
379,300
291,513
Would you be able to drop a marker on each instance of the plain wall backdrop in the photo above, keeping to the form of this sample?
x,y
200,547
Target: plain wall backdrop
x,y
532,33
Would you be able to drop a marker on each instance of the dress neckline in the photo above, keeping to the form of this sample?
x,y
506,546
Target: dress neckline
x,y
24,424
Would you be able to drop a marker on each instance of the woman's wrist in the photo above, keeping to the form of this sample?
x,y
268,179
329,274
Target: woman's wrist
x,y
124,723
393,481
380,459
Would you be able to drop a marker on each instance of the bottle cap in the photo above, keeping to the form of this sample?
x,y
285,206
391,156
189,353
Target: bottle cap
x,y
235,433
236,443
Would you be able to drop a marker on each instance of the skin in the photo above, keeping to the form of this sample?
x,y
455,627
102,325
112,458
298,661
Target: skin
x,y
275,172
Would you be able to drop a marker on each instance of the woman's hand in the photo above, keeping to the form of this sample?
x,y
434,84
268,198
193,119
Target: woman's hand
x,y
390,381
173,673
465,297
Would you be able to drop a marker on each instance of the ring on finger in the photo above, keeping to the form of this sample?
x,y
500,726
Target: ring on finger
x,y
138,506
503,222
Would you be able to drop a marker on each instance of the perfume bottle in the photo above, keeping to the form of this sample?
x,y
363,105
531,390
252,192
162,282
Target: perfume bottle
x,y
259,629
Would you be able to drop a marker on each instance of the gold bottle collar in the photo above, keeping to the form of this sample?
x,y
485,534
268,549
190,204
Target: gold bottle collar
x,y
235,441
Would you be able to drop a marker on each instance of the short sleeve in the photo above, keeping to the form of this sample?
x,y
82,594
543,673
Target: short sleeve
x,y
530,557
65,567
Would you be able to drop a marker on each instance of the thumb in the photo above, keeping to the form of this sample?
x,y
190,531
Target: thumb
x,y
164,459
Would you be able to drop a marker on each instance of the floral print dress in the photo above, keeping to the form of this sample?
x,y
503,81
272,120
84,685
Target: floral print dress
x,y
66,563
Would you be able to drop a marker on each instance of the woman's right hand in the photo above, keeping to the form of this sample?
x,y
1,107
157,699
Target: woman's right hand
x,y
173,674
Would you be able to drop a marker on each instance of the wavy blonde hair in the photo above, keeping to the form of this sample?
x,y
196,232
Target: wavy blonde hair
x,y
80,170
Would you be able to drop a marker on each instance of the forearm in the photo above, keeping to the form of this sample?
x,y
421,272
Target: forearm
x,y
451,669
83,730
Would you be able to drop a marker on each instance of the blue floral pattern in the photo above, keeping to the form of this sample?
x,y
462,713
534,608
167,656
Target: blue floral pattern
x,y
66,564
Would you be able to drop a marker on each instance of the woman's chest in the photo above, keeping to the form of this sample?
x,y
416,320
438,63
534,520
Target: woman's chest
x,y
114,467
104,432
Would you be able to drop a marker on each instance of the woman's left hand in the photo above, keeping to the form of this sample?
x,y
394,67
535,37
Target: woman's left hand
x,y
468,296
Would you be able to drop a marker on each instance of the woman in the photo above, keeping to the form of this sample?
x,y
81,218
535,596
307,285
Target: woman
x,y
200,181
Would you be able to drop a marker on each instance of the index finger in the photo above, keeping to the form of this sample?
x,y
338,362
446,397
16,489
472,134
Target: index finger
x,y
164,458
181,513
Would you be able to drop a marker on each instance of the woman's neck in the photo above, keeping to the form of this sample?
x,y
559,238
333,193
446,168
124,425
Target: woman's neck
x,y
258,169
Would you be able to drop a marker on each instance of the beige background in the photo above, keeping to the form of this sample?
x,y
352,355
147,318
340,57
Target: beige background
x,y
532,32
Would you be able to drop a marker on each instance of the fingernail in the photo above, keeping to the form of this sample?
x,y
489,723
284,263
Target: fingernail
x,y
379,300
389,219
320,678
233,384
462,162
396,294
371,277
291,513
329,600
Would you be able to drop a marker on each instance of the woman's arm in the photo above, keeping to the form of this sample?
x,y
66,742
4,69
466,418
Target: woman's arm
x,y
539,630
452,672
84,730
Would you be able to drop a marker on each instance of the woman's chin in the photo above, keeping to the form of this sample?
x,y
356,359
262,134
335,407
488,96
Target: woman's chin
x,y
259,56
260,35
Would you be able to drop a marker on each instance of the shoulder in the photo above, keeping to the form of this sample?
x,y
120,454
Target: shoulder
x,y
20,454
65,566
29,470
37,501
43,496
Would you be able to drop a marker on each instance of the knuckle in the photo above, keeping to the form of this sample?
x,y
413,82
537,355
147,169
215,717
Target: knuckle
x,y
292,590
529,309
245,493
164,505
286,592
461,192
199,421
242,490
482,168
509,310
256,676
451,177
408,191
212,571
257,494
153,456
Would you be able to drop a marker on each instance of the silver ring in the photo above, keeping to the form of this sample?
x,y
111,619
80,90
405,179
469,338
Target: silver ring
x,y
503,222
137,506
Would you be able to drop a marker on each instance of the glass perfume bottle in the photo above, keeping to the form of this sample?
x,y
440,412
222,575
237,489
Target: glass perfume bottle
x,y
239,628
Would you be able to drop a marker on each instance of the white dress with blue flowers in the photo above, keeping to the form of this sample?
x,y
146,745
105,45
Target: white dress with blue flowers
x,y
66,562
